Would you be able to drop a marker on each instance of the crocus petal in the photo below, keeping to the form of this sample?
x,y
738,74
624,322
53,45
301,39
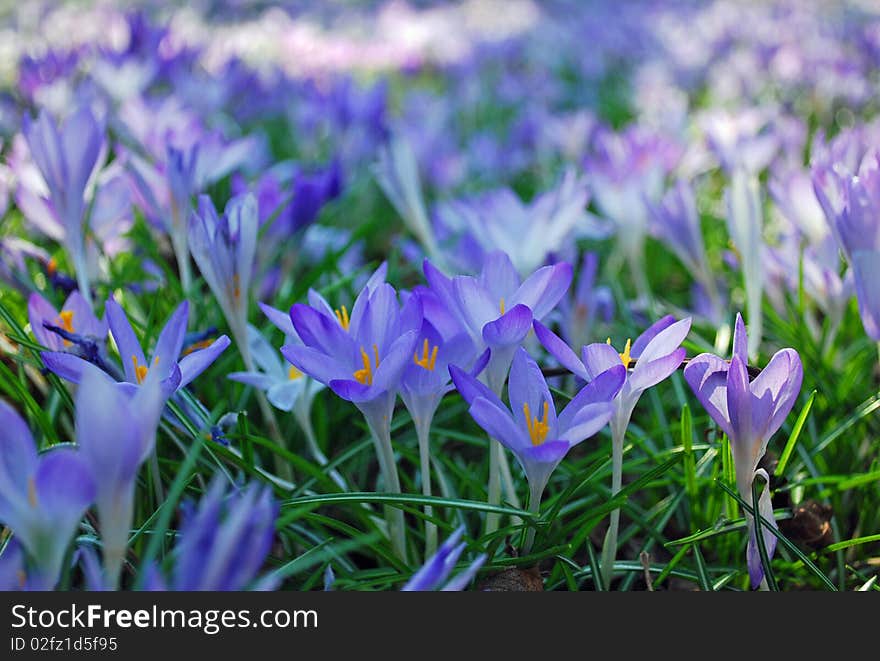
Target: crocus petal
x,y
318,331
499,276
706,374
740,339
126,341
539,461
647,374
599,357
560,350
526,387
65,365
64,485
498,424
284,396
84,320
171,339
353,391
542,290
587,422
739,403
317,365
866,271
475,304
470,388
280,319
510,329
397,357
603,388
664,342
18,453
652,331
197,362
256,379
782,377
40,310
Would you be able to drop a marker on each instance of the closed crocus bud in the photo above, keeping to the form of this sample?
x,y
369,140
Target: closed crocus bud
x,y
749,411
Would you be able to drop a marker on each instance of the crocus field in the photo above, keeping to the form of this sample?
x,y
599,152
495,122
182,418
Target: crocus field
x,y
404,295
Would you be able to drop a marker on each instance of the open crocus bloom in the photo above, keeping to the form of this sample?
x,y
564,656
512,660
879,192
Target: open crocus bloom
x,y
530,428
176,372
75,317
497,307
749,412
657,354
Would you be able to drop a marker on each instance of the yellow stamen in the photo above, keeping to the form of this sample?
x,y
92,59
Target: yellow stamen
x,y
365,375
625,357
538,429
66,319
236,287
52,266
141,371
293,374
501,306
196,346
425,361
32,492
342,316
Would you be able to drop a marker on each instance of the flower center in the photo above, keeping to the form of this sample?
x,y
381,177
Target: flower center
x,y
293,374
538,429
425,361
365,375
501,306
342,316
141,371
66,319
197,346
625,357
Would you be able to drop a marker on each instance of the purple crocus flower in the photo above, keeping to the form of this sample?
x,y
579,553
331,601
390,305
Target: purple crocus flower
x,y
223,542
851,204
657,353
66,156
174,372
43,497
116,433
362,358
435,573
224,248
75,317
530,428
749,412
677,224
497,307
530,233
13,574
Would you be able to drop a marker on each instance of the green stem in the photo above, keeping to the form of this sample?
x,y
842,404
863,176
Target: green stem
x,y
494,488
380,427
609,549
535,493
423,432
304,420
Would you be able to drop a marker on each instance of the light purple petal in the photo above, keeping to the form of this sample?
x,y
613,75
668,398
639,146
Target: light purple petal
x,y
652,331
739,403
197,362
498,424
599,357
171,340
740,339
280,319
510,329
317,365
706,374
866,271
588,421
65,365
526,386
560,350
646,375
18,453
126,341
64,486
542,290
470,388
